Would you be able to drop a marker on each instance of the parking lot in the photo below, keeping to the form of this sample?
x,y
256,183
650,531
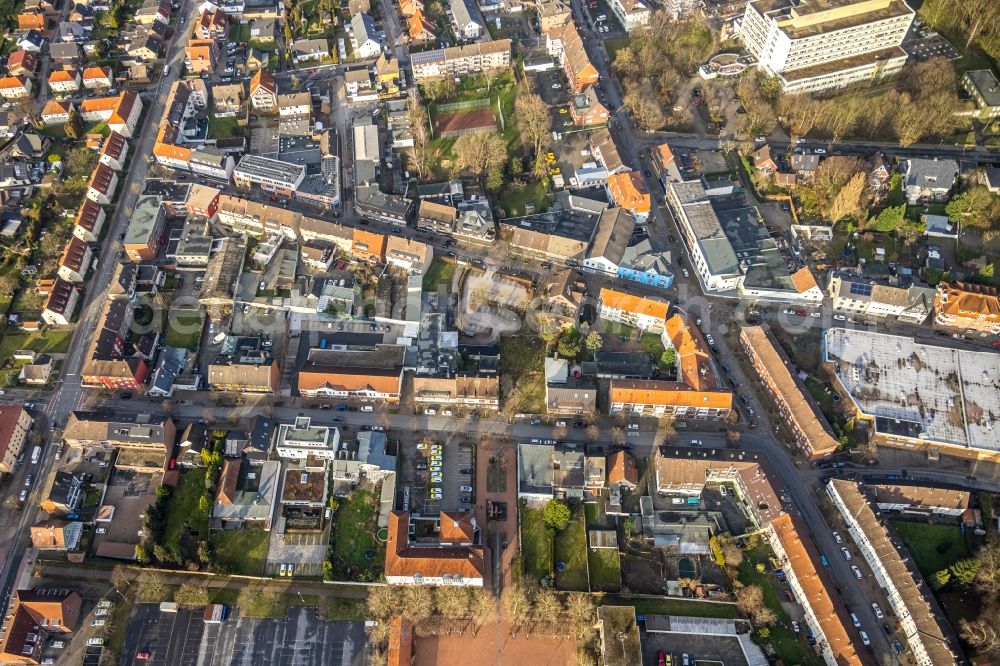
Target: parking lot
x,y
439,476
699,648
299,639
544,82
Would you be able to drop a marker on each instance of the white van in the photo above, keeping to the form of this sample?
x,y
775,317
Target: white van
x,y
367,408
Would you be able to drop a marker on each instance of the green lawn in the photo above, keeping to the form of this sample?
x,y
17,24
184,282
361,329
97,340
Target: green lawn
x,y
239,32
605,569
513,201
665,606
788,646
184,329
651,344
440,271
536,545
48,342
182,509
223,128
522,373
933,547
354,537
243,551
571,550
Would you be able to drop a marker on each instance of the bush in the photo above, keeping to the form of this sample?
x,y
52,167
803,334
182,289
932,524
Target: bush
x,y
557,515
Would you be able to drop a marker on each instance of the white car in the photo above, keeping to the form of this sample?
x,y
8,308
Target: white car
x,y
560,424
837,537
421,446
685,271
847,554
465,489
100,611
855,620
556,86
864,638
857,572
430,412
677,500
817,315
633,426
789,312
695,442
877,610
839,318
820,151
95,641
97,623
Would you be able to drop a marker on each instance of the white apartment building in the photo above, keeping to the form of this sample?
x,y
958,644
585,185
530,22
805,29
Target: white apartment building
x,y
908,594
301,439
814,45
644,314
631,14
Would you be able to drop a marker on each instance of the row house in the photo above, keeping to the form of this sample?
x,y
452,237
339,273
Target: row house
x,y
60,303
639,312
121,112
75,261
102,185
800,414
89,222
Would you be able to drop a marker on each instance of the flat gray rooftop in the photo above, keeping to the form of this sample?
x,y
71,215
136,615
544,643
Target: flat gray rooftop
x,y
918,390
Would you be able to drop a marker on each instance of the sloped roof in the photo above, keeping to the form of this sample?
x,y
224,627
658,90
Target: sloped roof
x,y
652,392
405,559
629,191
634,304
622,468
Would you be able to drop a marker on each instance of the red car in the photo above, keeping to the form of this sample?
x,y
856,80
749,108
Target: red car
x,y
142,655
661,659
996,345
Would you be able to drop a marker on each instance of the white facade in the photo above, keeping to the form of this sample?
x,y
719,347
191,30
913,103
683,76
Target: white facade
x,y
818,48
631,14
297,441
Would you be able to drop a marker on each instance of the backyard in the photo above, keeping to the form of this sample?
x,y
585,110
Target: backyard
x,y
46,342
241,551
536,545
356,553
790,647
674,606
605,569
933,547
571,554
184,329
183,517
522,380
441,271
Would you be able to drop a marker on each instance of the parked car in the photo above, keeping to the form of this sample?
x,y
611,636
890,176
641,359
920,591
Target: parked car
x,y
633,426
847,554
864,636
837,537
560,424
877,611
856,571
465,489
97,642
855,620
795,626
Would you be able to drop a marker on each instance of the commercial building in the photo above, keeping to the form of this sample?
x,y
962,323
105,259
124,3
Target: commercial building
x,y
968,308
364,374
476,392
921,620
797,410
611,241
452,555
639,312
815,46
256,375
107,430
302,439
918,395
270,174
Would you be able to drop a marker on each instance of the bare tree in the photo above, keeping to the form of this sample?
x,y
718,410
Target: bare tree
x,y
982,633
533,122
190,594
852,199
480,152
750,600
256,601
150,585
618,435
517,605
580,609
453,603
120,577
420,130
383,602
418,603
